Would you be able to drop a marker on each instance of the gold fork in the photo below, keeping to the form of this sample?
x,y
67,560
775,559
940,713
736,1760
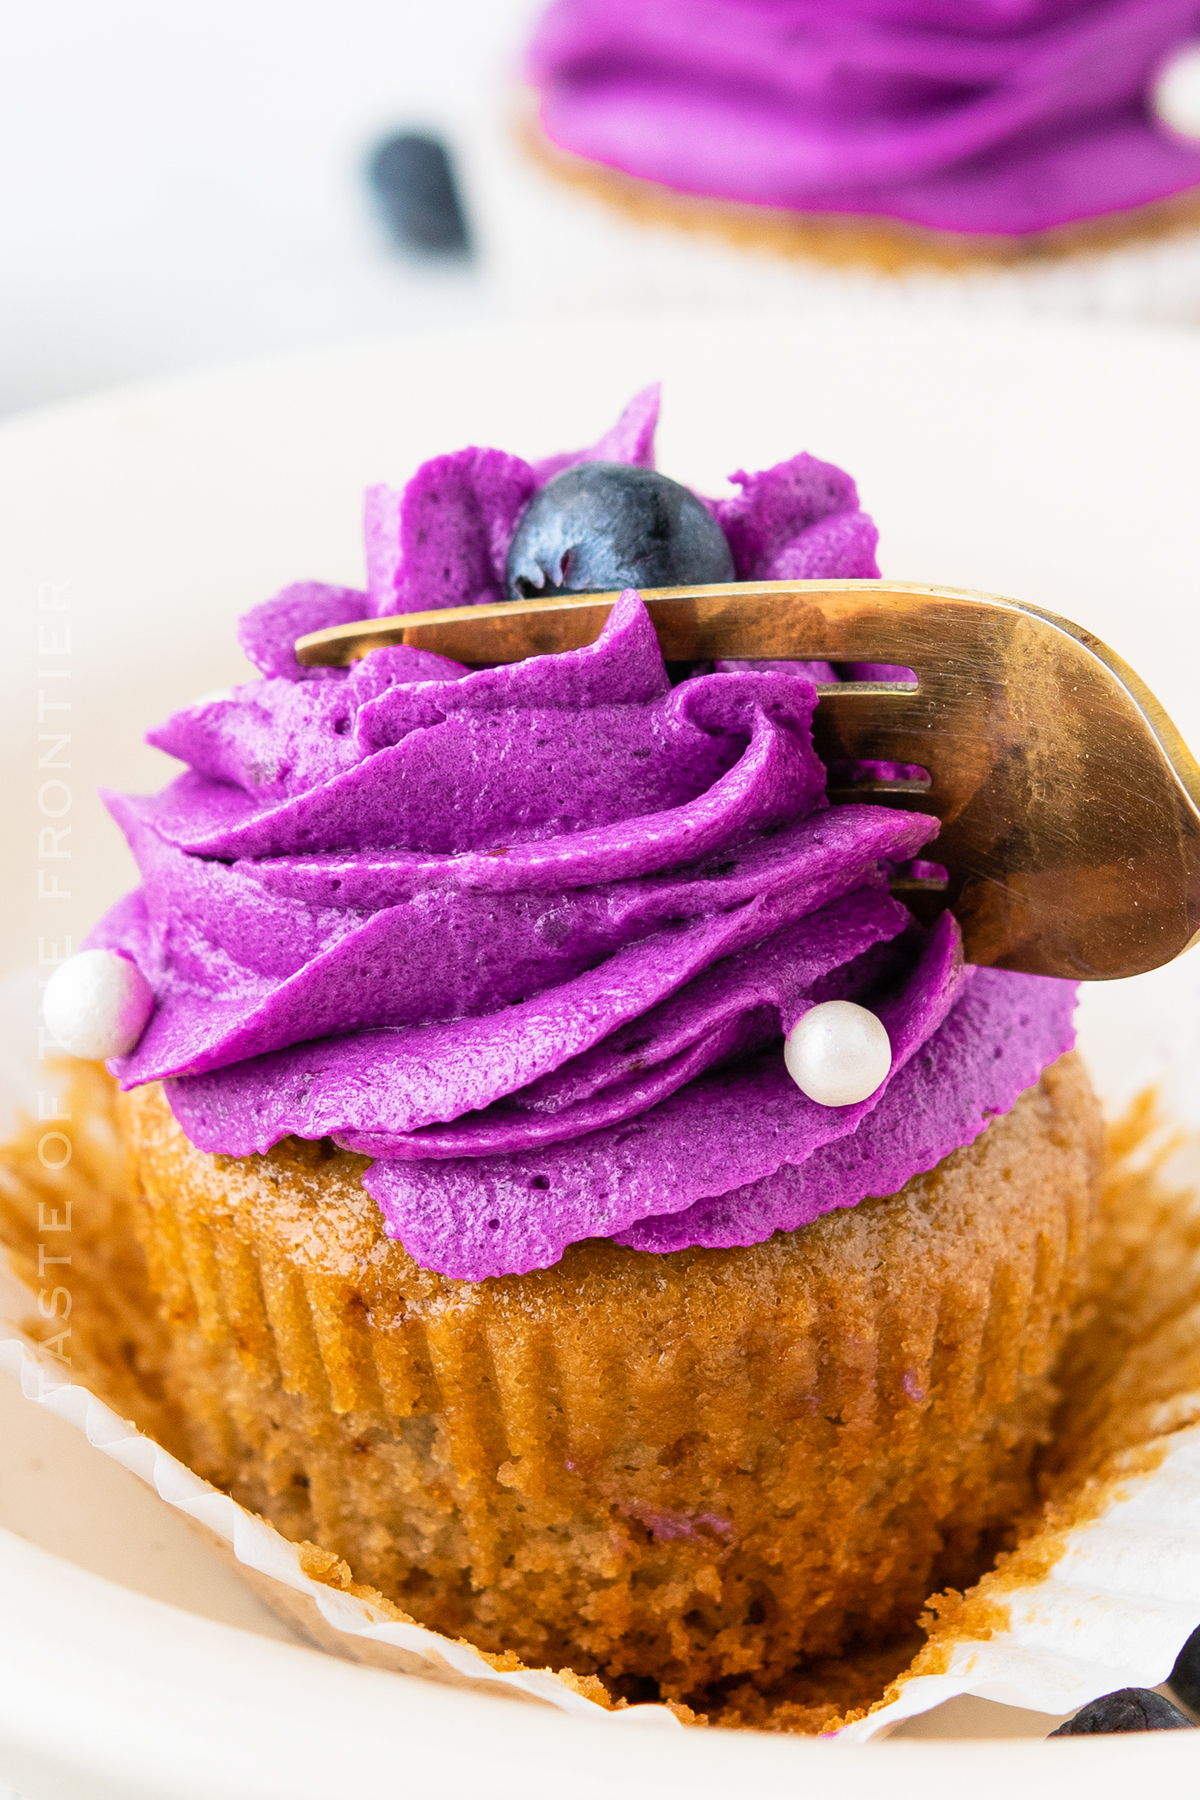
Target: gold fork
x,y
1070,805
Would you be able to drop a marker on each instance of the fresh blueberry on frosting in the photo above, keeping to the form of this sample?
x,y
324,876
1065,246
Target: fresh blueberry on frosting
x,y
605,526
444,539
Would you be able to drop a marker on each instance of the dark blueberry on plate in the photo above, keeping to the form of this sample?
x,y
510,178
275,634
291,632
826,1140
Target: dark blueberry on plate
x,y
415,191
1184,1679
1129,1709
603,526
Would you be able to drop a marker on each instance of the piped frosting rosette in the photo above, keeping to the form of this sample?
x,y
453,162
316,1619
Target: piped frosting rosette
x,y
1000,117
531,937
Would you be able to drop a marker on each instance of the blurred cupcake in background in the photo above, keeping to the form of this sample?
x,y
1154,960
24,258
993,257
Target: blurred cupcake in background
x,y
1042,150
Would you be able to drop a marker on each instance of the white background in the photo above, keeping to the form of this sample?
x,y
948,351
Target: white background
x,y
183,182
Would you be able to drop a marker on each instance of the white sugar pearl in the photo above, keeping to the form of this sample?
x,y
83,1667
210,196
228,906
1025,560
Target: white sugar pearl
x,y
96,1004
838,1053
1175,96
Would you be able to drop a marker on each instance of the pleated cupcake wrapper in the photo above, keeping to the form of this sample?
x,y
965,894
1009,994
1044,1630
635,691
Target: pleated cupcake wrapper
x,y
338,1622
1113,1611
1109,1602
566,1403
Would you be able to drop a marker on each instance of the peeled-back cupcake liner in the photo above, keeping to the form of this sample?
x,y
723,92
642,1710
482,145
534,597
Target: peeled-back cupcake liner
x,y
542,1435
362,1629
1113,1610
1101,1593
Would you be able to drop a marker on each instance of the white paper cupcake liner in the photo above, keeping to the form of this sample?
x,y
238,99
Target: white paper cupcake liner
x,y
1114,1611
1115,1598
336,1621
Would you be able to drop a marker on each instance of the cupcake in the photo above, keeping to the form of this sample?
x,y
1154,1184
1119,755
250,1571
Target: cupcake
x,y
895,137
572,1187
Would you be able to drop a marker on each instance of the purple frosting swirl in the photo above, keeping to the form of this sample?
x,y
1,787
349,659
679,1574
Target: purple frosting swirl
x,y
1000,117
530,936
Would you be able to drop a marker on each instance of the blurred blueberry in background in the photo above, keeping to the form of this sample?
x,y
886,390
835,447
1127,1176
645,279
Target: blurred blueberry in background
x,y
414,187
184,185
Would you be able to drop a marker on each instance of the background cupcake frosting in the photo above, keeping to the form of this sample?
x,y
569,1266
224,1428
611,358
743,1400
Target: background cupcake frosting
x,y
974,117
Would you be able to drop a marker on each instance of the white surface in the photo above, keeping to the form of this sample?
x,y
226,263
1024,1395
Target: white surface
x,y
1060,465
182,1708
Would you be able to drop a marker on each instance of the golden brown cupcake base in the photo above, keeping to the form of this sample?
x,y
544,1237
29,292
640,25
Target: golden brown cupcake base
x,y
676,1471
889,246
1130,1375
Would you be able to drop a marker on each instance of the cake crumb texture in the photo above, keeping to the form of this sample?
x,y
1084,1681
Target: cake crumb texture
x,y
686,1474
1129,1375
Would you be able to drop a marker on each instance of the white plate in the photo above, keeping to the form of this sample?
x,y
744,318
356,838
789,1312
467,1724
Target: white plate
x,y
1057,463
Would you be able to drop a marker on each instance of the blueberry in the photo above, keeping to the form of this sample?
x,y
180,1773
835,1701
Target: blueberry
x,y
1129,1709
603,526
415,191
1184,1678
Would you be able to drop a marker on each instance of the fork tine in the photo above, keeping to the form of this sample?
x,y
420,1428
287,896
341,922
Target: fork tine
x,y
858,621
1070,806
